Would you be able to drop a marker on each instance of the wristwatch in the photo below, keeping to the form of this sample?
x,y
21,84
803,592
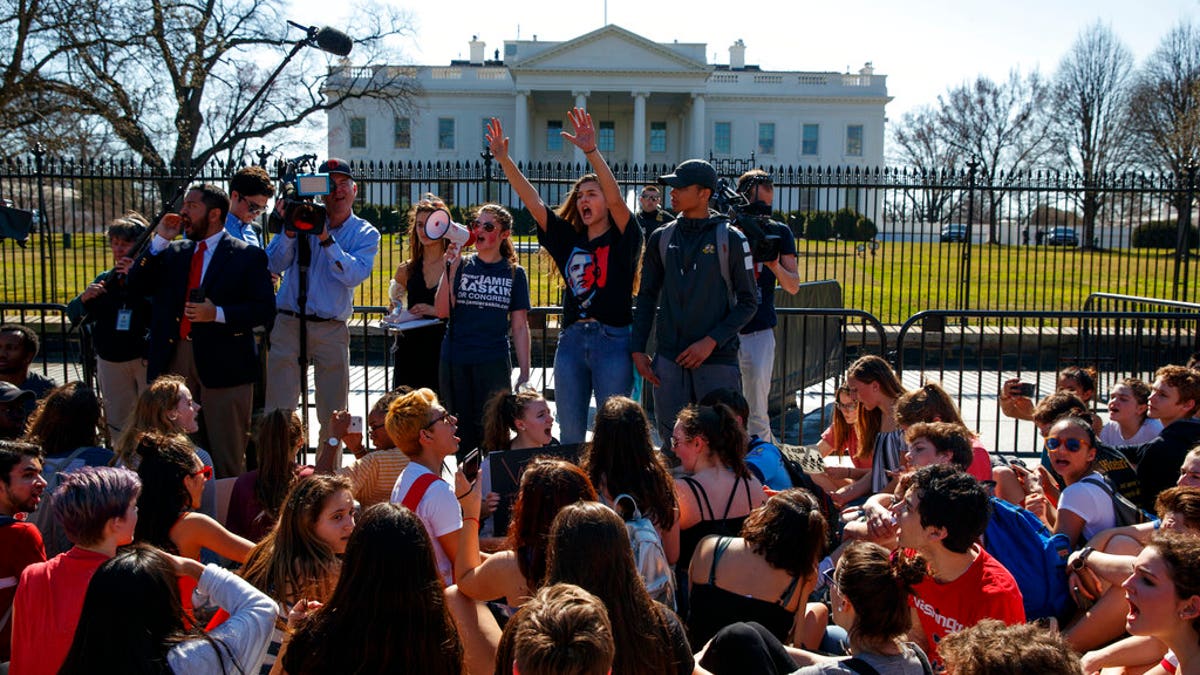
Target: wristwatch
x,y
328,242
1080,561
333,442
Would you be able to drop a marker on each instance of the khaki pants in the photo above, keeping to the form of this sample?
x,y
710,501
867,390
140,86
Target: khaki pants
x,y
224,414
329,352
120,382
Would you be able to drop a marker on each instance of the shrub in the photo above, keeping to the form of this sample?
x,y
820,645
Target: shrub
x,y
818,225
386,219
843,223
1162,234
864,229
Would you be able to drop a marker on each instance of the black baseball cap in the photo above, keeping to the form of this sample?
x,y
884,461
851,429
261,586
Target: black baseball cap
x,y
691,172
10,392
335,165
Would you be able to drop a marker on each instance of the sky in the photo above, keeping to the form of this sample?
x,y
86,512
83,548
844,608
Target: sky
x,y
923,46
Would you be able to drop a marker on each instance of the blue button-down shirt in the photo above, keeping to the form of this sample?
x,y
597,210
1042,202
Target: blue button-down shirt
x,y
335,272
244,231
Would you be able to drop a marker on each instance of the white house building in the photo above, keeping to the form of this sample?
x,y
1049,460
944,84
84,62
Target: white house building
x,y
652,103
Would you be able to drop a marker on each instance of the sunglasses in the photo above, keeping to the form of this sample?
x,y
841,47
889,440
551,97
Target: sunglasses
x,y
481,225
252,208
205,471
828,576
649,195
1072,444
444,417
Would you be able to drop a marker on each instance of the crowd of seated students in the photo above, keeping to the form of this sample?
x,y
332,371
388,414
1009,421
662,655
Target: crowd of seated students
x,y
911,588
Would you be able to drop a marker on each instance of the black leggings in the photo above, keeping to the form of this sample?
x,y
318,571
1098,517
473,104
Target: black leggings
x,y
747,648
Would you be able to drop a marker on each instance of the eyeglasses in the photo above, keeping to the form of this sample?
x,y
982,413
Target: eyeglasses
x,y
853,405
485,226
376,427
1072,444
444,417
205,471
649,195
252,208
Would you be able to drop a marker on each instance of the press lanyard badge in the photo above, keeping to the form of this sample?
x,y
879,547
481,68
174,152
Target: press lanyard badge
x,y
124,317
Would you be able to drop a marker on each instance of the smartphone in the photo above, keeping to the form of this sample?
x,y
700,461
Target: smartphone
x,y
196,295
470,464
356,424
1026,389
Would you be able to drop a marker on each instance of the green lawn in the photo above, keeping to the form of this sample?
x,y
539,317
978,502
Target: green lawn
x,y
898,280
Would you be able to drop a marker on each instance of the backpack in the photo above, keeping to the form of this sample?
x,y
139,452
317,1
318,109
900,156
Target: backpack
x,y
1126,512
53,536
1035,556
648,555
664,241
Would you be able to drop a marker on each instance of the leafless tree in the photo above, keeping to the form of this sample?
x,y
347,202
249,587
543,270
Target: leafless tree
x,y
1090,132
1001,126
166,76
1164,109
919,144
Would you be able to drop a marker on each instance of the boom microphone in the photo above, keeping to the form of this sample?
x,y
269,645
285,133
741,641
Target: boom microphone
x,y
334,41
327,39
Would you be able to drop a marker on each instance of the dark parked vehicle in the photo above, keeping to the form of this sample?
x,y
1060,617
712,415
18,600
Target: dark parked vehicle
x,y
1062,236
954,232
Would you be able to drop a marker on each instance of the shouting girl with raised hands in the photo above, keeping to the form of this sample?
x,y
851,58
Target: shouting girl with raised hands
x,y
597,253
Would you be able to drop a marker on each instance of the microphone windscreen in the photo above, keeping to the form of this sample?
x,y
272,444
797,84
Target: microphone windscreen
x,y
334,41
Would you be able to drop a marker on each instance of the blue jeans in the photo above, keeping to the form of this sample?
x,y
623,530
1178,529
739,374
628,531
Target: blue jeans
x,y
591,357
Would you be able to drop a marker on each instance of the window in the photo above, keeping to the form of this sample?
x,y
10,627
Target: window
x,y
808,141
445,133
658,137
766,138
358,132
607,140
851,199
402,133
554,139
722,138
854,140
807,200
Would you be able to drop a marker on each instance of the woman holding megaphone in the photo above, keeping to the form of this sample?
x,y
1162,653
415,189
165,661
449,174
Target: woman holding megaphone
x,y
413,288
484,296
597,253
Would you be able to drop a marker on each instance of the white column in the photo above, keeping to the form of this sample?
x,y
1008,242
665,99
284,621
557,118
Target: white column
x,y
639,128
519,147
698,126
581,102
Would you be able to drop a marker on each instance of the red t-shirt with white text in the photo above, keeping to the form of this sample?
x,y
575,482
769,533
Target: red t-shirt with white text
x,y
985,591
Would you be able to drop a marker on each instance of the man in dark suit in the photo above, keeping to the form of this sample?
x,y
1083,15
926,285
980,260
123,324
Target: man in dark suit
x,y
210,290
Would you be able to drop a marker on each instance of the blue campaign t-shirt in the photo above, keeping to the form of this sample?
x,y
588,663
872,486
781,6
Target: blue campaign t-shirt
x,y
484,294
765,317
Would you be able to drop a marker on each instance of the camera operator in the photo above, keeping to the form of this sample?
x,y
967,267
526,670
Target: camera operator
x,y
696,308
756,354
343,255
250,192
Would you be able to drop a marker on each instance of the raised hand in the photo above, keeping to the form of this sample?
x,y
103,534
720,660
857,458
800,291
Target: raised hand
x,y
496,140
585,134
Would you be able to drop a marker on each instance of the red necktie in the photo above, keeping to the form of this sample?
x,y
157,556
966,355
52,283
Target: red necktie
x,y
194,277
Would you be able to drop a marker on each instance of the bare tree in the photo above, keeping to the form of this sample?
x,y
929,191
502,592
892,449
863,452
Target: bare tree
x,y
167,75
1164,109
918,143
1001,126
1089,127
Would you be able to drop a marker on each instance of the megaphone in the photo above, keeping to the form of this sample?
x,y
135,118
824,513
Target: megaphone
x,y
439,226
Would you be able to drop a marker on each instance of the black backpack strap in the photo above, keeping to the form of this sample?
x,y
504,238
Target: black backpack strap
x,y
701,497
859,666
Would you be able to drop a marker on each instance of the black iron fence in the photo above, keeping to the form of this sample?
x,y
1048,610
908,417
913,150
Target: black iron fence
x,y
971,353
898,241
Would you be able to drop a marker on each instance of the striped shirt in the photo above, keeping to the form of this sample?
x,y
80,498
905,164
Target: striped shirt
x,y
375,475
